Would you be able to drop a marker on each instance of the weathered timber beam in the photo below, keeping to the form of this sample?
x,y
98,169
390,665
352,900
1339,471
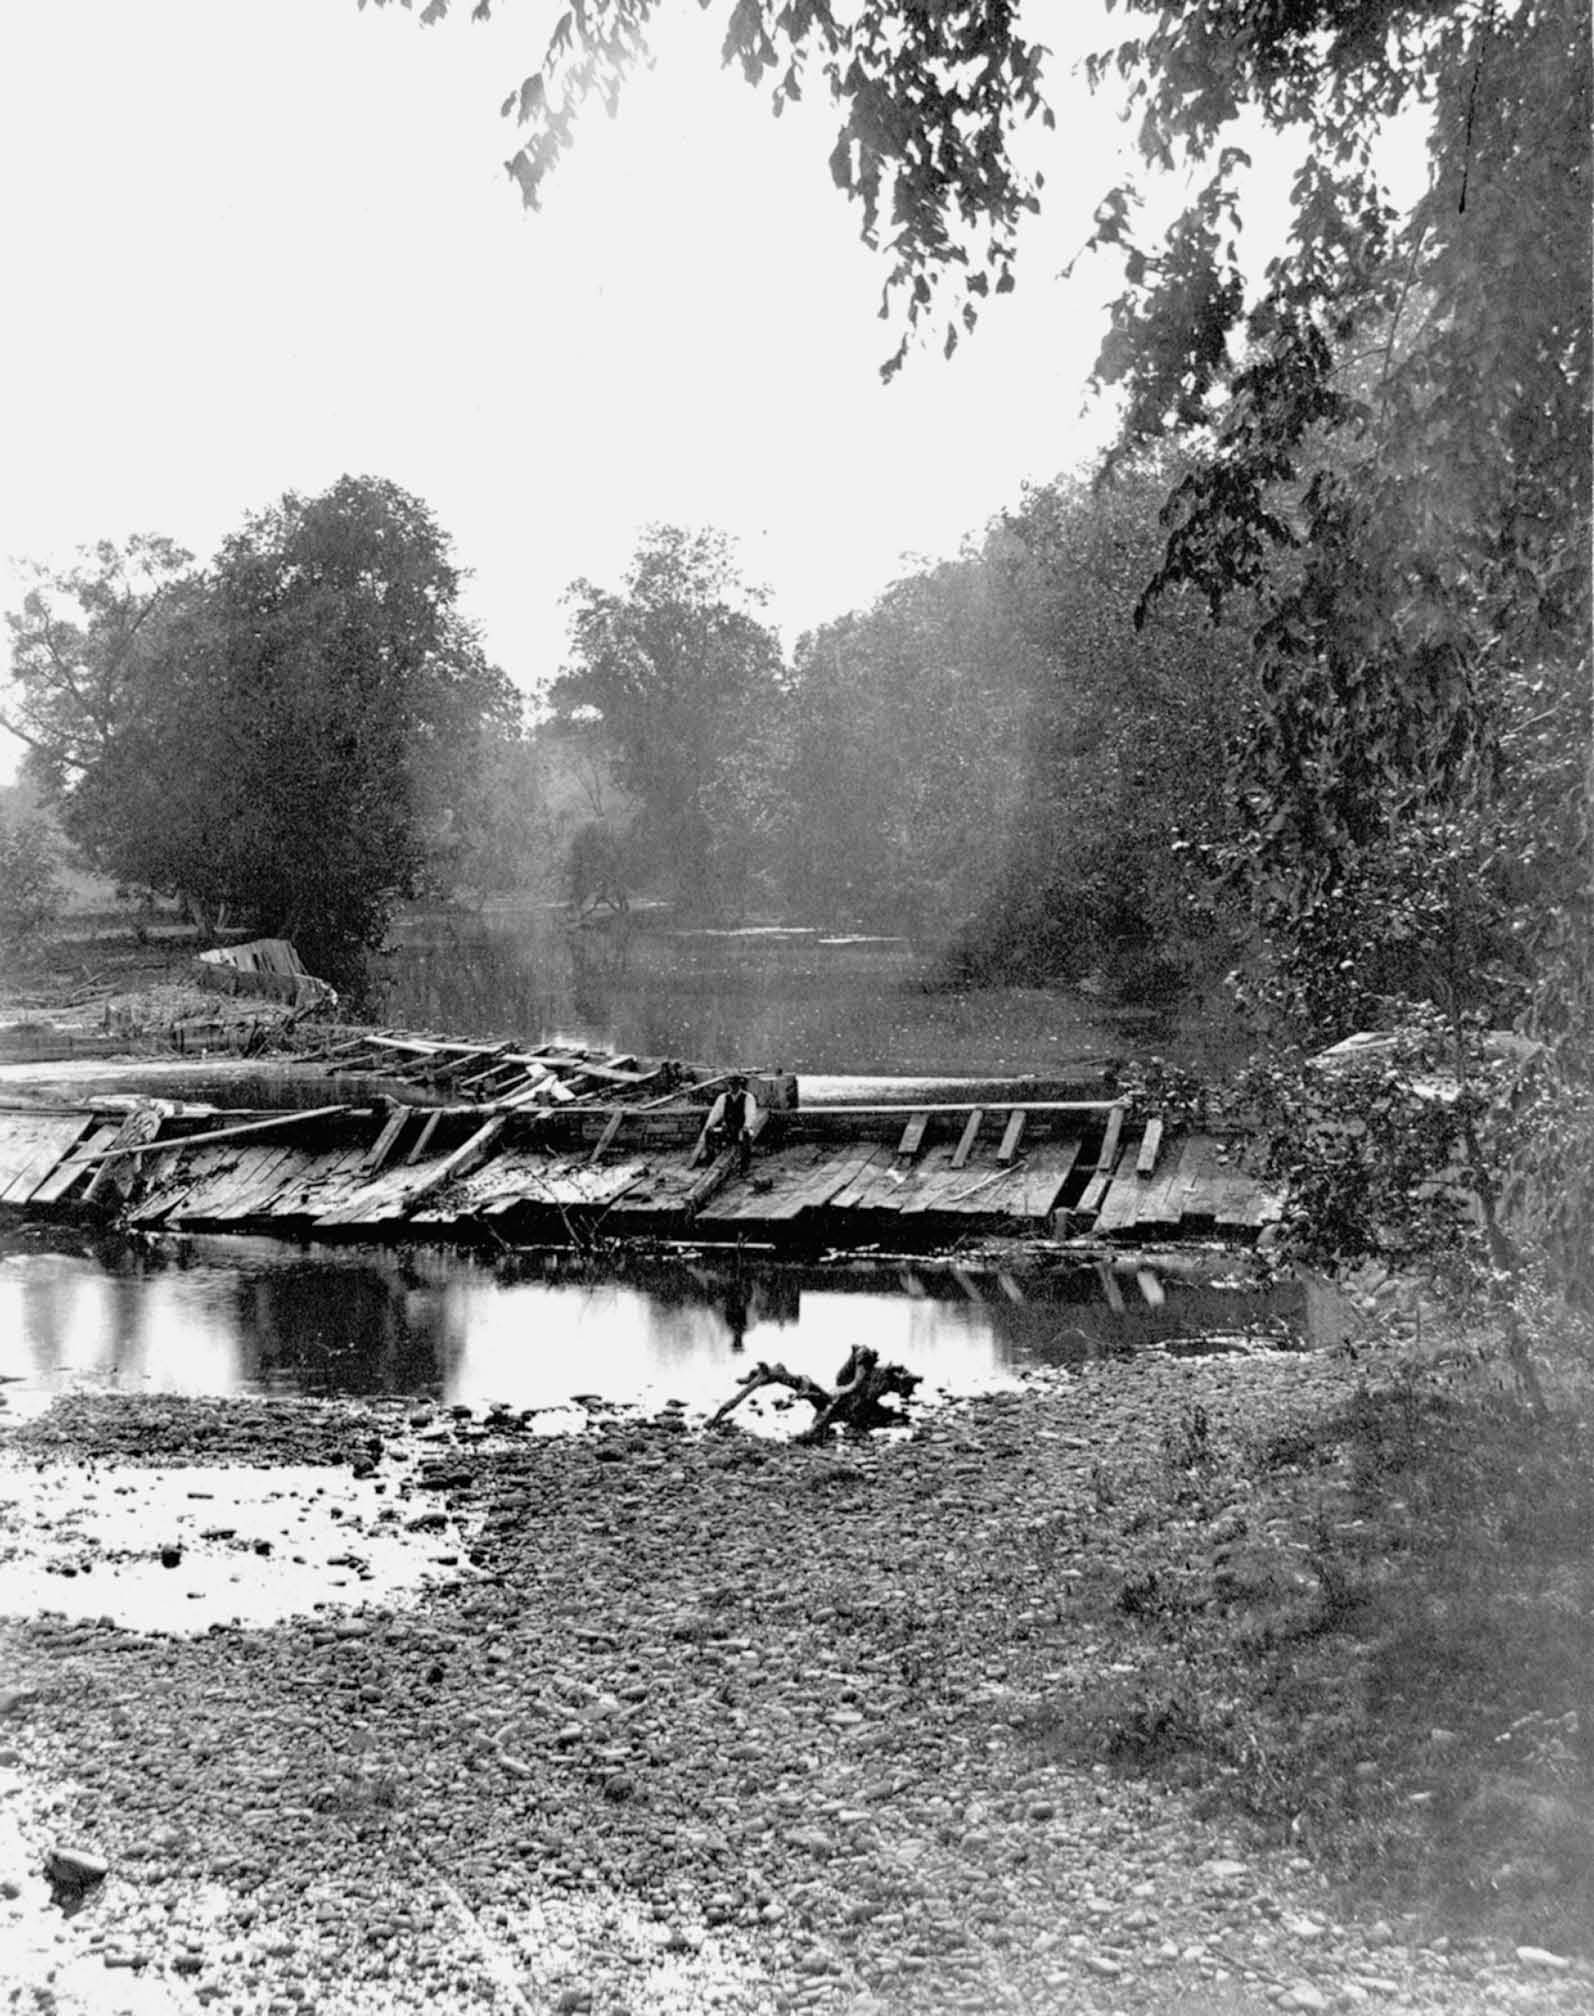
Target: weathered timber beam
x,y
965,1147
158,1147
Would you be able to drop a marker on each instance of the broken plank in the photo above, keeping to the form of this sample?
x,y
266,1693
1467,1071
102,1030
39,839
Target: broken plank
x,y
401,1196
1150,1142
965,1146
56,1139
913,1133
1095,1191
1043,1176
73,1166
255,1179
387,1140
1162,1195
424,1138
607,1138
1012,1134
1120,1207
314,1182
21,1140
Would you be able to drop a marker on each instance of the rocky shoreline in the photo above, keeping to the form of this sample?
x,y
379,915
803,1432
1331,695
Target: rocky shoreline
x,y
677,1723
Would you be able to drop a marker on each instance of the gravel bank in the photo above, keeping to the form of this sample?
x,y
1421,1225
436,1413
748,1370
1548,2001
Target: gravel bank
x,y
689,1724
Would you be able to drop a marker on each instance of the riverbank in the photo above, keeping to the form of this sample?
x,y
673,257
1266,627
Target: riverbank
x,y
1136,1690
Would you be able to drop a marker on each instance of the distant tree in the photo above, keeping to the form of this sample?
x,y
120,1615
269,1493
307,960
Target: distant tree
x,y
84,642
673,674
315,711
905,755
31,894
1127,737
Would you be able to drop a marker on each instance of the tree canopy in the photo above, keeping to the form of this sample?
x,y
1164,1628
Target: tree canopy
x,y
928,95
672,670
84,643
291,727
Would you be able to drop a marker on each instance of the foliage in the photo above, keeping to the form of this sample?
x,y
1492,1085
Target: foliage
x,y
1391,460
675,676
904,755
31,895
1394,459
1371,1629
85,643
1127,734
930,98
308,721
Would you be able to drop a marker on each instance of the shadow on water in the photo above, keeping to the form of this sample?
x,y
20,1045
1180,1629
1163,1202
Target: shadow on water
x,y
213,1315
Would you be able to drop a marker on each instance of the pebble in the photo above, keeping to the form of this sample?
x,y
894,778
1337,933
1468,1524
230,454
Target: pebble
x,y
701,1821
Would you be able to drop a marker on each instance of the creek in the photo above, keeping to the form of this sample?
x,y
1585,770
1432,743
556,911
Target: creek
x,y
212,1315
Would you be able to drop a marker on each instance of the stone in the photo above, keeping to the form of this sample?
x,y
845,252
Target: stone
x,y
1539,1956
1305,1996
75,1868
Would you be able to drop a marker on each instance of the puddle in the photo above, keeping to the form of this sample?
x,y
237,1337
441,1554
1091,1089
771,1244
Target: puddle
x,y
178,1550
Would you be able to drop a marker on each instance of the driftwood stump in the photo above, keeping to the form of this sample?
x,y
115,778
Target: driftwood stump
x,y
863,1386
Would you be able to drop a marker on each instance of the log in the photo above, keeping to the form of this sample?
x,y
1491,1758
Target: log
x,y
863,1385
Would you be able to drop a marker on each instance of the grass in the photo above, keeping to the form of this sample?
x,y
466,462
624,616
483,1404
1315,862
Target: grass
x,y
1375,1636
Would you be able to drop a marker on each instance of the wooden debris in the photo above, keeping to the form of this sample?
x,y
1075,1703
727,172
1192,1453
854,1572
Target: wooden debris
x,y
863,1386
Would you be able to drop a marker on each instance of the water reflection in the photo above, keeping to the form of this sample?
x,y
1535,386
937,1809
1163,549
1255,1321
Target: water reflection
x,y
800,1000
209,1315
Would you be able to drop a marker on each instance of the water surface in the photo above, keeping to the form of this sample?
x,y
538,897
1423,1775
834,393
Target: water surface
x,y
218,1315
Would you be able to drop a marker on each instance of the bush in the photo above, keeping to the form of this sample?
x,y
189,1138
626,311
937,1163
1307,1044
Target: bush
x,y
31,896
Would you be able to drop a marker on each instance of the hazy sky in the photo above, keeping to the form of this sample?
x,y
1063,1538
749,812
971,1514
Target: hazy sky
x,y
250,245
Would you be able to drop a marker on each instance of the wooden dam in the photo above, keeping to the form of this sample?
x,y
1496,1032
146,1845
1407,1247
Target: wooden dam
x,y
414,1138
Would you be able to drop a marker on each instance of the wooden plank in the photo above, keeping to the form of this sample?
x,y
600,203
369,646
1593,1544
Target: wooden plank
x,y
71,1130
21,1138
935,1183
175,1181
255,1177
280,1182
1200,1172
1108,1157
1120,1207
402,1193
1012,1135
1150,1142
913,1133
71,1167
607,1138
1106,1163
866,1169
274,1123
311,1184
424,1139
965,1147
1045,1175
387,1140
1162,1198
823,1171
215,1180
